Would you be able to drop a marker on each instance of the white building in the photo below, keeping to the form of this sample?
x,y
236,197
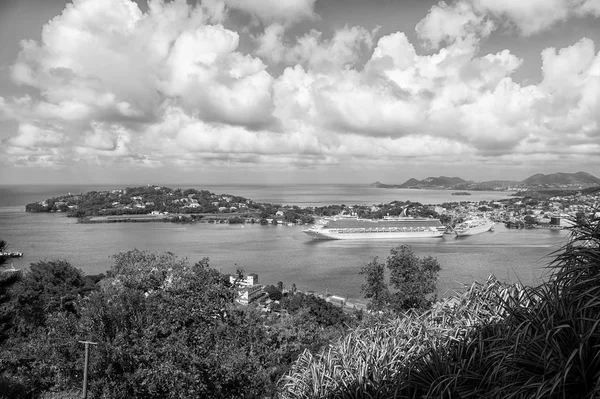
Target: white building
x,y
248,288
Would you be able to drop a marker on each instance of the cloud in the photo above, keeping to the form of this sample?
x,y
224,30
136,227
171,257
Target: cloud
x,y
343,50
34,138
448,23
111,58
533,16
283,11
172,87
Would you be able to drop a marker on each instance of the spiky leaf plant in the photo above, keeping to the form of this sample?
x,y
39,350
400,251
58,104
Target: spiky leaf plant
x,y
493,341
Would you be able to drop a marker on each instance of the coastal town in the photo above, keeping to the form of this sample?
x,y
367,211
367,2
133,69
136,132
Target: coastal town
x,y
550,208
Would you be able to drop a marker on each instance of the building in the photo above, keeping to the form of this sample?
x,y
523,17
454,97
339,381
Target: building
x,y
248,288
336,300
247,294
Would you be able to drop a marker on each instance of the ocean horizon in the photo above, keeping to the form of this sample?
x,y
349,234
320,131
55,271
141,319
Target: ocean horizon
x,y
302,195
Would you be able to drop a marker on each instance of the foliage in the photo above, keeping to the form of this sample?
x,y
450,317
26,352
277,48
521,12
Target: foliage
x,y
413,279
164,329
8,279
273,292
375,288
324,313
47,287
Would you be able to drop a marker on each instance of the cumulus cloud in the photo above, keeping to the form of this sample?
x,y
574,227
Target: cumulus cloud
x,y
171,86
109,57
448,23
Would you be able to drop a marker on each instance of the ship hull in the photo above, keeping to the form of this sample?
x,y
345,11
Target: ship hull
x,y
473,230
325,234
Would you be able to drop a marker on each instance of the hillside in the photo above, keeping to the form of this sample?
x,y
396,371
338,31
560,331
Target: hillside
x,y
538,181
433,182
562,179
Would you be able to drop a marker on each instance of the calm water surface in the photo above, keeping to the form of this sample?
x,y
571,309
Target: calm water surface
x,y
276,253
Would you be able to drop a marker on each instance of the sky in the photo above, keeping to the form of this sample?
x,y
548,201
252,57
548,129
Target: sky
x,y
297,91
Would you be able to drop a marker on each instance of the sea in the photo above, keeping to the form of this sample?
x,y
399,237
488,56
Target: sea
x,y
277,253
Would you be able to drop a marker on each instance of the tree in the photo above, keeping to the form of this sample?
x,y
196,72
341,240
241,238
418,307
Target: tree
x,y
7,280
48,286
375,287
274,293
413,280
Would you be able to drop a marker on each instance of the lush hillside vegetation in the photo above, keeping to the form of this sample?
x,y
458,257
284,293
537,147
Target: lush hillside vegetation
x,y
166,328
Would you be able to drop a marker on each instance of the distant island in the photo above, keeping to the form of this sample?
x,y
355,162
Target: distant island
x,y
461,193
155,203
537,182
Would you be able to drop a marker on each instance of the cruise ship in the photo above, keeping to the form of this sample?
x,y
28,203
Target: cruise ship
x,y
473,226
397,228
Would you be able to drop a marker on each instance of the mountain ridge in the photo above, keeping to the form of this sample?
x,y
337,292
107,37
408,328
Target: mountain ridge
x,y
553,180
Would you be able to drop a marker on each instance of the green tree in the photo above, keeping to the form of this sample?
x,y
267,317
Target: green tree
x,y
7,280
375,287
412,279
47,287
273,292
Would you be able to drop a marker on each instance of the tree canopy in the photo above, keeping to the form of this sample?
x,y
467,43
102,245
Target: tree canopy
x,y
412,280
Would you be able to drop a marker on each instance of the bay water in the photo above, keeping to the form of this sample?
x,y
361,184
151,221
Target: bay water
x,y
276,253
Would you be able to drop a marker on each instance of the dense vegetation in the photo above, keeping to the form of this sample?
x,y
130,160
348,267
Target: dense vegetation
x,y
164,328
168,329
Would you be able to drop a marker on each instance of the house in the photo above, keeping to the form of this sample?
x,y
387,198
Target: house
x,y
279,213
248,288
249,279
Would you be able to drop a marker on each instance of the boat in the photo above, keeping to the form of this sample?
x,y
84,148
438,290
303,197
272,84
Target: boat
x,y
12,254
473,226
396,228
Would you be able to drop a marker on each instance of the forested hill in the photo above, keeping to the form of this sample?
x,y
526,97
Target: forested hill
x,y
143,200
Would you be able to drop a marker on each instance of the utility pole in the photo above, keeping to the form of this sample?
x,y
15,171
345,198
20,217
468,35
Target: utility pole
x,y
85,365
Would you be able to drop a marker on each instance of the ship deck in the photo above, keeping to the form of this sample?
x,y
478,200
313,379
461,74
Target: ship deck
x,y
381,223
